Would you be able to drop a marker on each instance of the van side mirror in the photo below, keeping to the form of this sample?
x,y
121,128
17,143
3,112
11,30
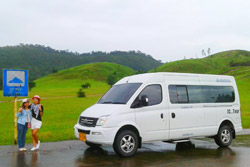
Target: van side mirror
x,y
144,100
140,102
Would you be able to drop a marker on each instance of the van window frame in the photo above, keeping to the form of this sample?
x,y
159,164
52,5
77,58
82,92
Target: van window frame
x,y
137,97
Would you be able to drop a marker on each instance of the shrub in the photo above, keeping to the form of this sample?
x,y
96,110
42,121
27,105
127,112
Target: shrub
x,y
112,78
234,64
86,85
1,84
81,93
32,84
54,70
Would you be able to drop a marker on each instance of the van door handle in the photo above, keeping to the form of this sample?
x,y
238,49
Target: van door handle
x,y
161,115
173,115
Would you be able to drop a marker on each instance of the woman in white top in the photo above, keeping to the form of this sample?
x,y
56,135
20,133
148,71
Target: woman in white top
x,y
24,117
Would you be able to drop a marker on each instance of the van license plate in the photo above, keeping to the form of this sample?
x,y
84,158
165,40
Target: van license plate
x,y
82,136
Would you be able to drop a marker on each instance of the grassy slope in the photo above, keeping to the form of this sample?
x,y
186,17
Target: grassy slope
x,y
214,64
220,64
242,76
93,71
62,107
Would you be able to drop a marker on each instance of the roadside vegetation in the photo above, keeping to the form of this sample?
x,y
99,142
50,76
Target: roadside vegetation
x,y
63,106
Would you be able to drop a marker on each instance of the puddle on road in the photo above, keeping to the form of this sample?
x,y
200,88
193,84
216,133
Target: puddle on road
x,y
197,153
186,155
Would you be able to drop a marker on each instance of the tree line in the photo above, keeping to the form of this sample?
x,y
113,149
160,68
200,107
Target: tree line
x,y
41,60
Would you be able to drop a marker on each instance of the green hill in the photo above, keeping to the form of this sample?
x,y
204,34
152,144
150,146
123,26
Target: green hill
x,y
75,76
215,64
235,63
41,60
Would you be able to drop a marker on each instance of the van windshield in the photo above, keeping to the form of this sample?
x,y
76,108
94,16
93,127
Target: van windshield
x,y
119,94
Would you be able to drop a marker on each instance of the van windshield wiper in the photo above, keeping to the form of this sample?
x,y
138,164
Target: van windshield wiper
x,y
110,102
118,103
107,102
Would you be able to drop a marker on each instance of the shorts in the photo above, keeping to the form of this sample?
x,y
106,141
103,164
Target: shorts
x,y
35,124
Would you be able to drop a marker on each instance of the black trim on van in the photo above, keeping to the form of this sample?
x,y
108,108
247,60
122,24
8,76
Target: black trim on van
x,y
84,131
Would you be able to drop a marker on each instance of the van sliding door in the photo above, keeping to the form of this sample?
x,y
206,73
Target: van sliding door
x,y
186,118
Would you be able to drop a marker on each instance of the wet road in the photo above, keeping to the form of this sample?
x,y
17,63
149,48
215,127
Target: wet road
x,y
77,154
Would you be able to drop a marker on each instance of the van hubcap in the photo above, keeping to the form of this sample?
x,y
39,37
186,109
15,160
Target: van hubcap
x,y
127,143
225,136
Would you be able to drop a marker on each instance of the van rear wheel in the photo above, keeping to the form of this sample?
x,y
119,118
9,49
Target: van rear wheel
x,y
126,143
224,137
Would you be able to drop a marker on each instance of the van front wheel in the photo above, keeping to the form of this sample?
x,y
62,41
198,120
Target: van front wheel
x,y
126,143
224,137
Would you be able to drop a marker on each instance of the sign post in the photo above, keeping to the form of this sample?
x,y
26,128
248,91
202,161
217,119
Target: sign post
x,y
15,121
15,84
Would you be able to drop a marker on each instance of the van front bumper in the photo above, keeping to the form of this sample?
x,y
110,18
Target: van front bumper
x,y
98,134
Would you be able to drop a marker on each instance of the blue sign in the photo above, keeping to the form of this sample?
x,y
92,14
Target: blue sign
x,y
15,82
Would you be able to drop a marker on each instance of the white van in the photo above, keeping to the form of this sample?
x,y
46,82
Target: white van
x,y
169,107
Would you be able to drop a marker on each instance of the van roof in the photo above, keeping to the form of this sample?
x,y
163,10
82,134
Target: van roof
x,y
178,77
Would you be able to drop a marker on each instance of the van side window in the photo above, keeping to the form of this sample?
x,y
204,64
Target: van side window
x,y
172,94
178,94
182,94
217,94
201,94
154,94
194,94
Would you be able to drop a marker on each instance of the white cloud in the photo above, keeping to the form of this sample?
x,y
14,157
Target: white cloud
x,y
166,29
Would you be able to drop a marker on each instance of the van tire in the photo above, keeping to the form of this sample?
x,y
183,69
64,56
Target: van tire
x,y
224,137
92,144
130,148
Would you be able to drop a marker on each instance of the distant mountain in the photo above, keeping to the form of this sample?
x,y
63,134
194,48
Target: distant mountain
x,y
41,60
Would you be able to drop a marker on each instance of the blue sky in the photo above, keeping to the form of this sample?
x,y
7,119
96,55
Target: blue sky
x,y
166,29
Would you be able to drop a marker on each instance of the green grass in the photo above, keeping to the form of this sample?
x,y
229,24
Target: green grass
x,y
59,118
62,107
242,76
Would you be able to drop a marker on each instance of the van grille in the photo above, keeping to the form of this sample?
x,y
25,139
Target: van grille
x,y
88,121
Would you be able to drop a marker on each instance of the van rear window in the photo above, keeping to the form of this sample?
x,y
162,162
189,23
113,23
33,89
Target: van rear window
x,y
201,94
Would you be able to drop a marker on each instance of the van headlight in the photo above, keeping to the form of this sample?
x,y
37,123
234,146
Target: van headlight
x,y
101,121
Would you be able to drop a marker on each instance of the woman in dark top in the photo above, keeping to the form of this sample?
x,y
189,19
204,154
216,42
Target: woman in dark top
x,y
36,121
